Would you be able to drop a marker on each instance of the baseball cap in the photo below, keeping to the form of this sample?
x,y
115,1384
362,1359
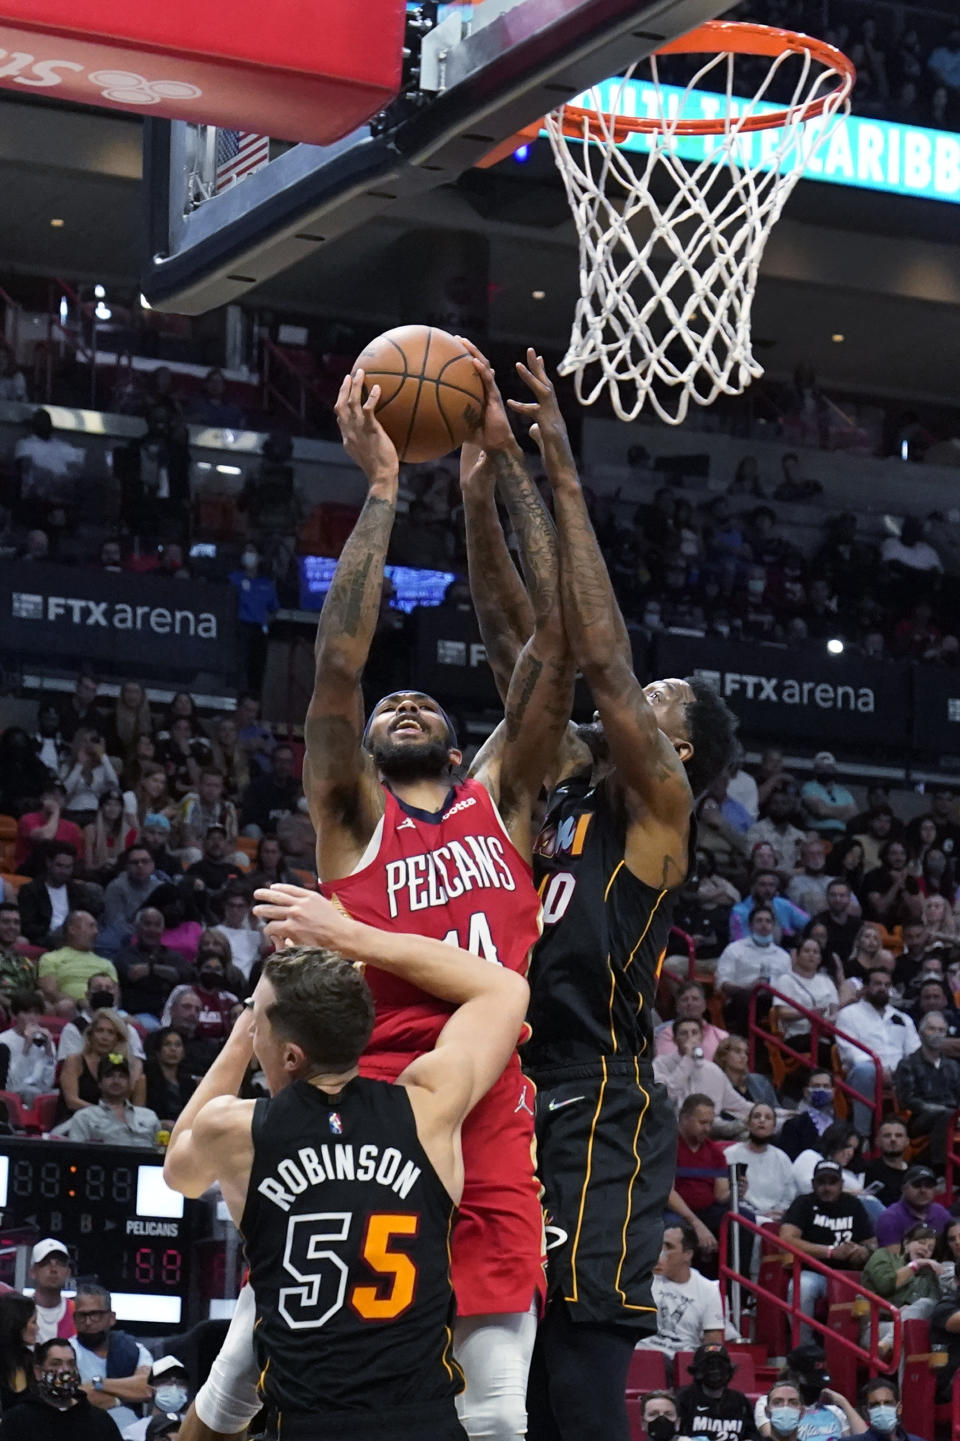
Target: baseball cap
x,y
164,1364
45,1248
822,759
828,1168
113,1062
916,1175
162,1425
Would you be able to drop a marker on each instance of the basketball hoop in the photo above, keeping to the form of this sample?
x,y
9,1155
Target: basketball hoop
x,y
669,258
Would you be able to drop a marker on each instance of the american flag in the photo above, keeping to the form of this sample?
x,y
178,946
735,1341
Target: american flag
x,y
239,153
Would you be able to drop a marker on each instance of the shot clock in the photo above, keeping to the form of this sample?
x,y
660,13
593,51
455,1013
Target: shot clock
x,y
118,1219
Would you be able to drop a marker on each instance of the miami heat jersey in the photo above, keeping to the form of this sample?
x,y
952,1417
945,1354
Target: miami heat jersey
x,y
594,972
454,875
346,1229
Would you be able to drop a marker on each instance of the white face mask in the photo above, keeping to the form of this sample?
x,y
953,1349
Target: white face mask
x,y
172,1397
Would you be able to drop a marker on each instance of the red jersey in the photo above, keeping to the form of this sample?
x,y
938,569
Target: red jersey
x,y
456,876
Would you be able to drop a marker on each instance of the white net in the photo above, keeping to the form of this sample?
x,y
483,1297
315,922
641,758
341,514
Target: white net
x,y
672,226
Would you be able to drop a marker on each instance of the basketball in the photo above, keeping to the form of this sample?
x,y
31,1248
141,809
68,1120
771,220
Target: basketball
x,y
431,396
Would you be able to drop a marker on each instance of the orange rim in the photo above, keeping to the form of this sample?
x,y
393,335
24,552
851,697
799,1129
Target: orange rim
x,y
722,37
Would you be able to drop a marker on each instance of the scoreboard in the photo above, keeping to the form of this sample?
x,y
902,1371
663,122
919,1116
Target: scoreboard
x,y
119,1221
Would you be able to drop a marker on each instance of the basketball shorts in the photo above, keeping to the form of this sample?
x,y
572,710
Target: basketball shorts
x,y
497,1254
607,1151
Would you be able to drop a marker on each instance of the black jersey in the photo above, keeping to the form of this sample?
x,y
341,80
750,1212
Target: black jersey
x,y
594,971
719,1418
346,1229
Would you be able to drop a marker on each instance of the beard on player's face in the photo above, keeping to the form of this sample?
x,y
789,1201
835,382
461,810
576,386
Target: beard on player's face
x,y
407,760
594,738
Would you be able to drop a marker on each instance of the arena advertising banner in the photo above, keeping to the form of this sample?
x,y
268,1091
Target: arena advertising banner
x,y
885,155
91,615
451,661
809,695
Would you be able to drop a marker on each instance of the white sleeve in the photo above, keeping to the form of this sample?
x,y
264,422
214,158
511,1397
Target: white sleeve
x,y
228,1400
71,1042
911,1040
849,1055
725,966
711,1305
143,1356
803,1170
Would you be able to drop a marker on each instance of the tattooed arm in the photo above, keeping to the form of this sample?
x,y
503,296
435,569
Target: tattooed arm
x,y
341,784
503,608
649,768
540,693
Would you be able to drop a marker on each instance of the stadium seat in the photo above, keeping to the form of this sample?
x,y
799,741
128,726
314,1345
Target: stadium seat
x,y
647,1372
13,881
843,1318
38,1117
919,1378
773,1280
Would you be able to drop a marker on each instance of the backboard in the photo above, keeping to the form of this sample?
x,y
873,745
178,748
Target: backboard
x,y
474,74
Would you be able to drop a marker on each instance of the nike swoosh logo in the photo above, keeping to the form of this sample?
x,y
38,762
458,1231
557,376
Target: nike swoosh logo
x,y
559,1105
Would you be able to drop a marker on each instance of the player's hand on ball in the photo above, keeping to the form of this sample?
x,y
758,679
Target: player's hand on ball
x,y
494,431
364,438
548,430
299,917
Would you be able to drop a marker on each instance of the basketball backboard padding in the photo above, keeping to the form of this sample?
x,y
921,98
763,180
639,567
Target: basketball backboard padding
x,y
499,78
289,70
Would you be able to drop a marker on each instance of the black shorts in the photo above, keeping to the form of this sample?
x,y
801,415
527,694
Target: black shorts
x,y
435,1421
606,1156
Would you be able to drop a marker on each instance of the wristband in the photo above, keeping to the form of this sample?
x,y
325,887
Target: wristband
x,y
913,1265
829,1252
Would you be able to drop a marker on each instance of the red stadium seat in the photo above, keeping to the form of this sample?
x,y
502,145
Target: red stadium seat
x,y
648,1372
38,1117
843,1319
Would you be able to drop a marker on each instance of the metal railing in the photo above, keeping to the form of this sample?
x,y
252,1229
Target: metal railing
x,y
790,1304
819,1027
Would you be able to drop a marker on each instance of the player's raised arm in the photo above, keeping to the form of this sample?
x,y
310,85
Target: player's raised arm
x,y
540,693
477,1041
502,606
647,760
213,1123
341,785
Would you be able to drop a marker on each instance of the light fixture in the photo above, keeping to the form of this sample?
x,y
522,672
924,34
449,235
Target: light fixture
x,y
144,303
99,292
64,310
835,646
539,294
102,312
229,470
521,153
57,223
838,338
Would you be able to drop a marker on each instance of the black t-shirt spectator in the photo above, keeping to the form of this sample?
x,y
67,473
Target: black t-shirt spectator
x,y
891,1180
828,1223
214,874
267,800
723,1418
841,935
149,993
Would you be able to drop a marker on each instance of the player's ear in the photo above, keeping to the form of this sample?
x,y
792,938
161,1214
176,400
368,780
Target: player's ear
x,y
294,1059
684,749
455,757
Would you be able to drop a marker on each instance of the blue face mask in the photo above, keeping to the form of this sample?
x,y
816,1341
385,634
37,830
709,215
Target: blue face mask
x,y
762,940
820,1100
784,1419
883,1418
170,1398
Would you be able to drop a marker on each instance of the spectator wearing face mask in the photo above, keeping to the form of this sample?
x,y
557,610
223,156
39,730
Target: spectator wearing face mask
x,y
801,1406
710,1405
57,1406
171,1396
658,1413
802,1132
770,1179
744,963
882,1409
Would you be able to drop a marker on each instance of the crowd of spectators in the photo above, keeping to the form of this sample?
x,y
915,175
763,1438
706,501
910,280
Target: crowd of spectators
x,y
907,61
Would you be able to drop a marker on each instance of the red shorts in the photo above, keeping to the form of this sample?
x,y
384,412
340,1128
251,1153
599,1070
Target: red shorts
x,y
498,1253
